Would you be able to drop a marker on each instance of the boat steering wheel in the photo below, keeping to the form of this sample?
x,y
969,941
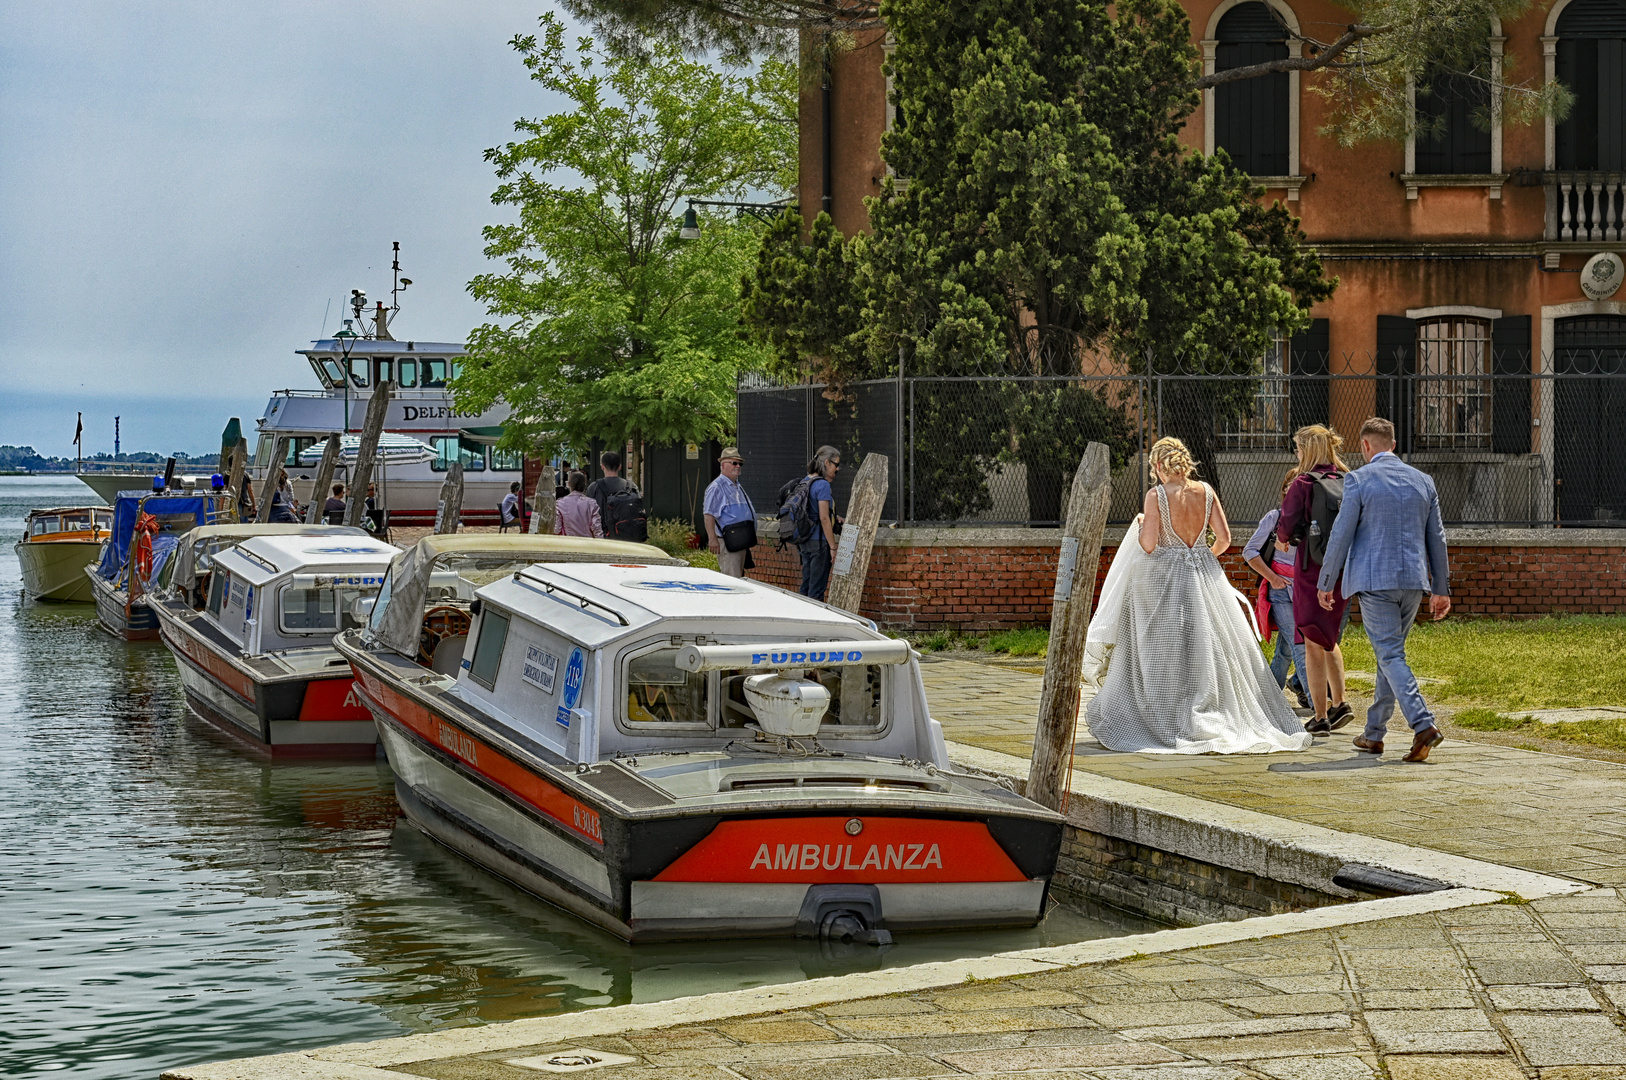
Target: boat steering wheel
x,y
440,623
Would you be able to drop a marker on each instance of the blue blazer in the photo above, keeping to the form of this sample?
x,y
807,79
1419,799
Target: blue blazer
x,y
1388,533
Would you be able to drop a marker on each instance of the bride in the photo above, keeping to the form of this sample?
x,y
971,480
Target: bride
x,y
1183,671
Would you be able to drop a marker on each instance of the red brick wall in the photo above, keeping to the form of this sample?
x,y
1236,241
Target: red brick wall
x,y
1000,588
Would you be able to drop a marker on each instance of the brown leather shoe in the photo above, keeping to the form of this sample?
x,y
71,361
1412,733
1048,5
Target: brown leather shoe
x,y
1426,740
1368,747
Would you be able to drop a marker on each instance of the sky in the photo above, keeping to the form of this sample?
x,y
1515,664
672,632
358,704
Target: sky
x,y
185,187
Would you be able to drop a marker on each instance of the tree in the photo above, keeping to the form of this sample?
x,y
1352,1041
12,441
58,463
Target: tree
x,y
1363,67
605,326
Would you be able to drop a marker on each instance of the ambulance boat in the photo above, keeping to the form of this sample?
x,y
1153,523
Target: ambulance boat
x,y
671,753
257,659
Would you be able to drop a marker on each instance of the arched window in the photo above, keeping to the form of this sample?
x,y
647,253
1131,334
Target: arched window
x,y
1251,115
1592,63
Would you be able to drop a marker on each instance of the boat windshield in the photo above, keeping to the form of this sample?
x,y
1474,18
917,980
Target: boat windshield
x,y
324,609
659,692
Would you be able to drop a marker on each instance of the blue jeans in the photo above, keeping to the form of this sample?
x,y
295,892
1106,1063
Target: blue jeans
x,y
1288,652
1388,615
815,568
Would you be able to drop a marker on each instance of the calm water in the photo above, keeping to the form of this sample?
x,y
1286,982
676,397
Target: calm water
x,y
165,900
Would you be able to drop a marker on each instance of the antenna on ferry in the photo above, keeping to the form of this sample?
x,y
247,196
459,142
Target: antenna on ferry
x,y
358,304
400,282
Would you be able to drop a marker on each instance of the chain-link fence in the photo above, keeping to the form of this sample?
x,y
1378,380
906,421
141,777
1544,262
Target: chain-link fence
x,y
1505,449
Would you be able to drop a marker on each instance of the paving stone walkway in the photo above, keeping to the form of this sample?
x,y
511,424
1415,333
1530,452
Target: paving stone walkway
x,y
1540,812
1496,992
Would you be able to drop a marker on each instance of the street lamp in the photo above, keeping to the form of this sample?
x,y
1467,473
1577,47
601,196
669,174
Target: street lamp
x,y
691,225
762,211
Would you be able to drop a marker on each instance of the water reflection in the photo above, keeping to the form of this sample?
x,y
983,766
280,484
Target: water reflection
x,y
165,899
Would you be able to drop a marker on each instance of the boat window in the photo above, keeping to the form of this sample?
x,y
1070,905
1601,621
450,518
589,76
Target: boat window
x,y
434,373
296,447
358,370
457,368
104,520
488,648
383,370
79,522
855,698
659,693
450,448
219,585
45,525
409,374
322,610
507,460
334,373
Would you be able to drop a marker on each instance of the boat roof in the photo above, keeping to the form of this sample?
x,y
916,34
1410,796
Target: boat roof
x,y
260,559
371,346
596,603
67,510
185,574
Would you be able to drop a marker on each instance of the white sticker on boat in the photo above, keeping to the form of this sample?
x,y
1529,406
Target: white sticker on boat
x,y
541,669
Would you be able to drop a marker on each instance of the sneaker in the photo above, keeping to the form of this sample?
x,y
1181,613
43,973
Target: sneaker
x,y
1340,715
1304,699
1318,728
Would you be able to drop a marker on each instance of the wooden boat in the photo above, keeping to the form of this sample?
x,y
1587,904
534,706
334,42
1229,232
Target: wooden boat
x,y
250,615
56,547
146,531
670,753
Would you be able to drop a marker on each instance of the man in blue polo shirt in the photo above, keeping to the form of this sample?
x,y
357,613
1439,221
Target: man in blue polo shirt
x,y
727,505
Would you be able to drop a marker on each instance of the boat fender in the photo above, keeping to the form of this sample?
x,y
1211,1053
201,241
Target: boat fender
x,y
474,607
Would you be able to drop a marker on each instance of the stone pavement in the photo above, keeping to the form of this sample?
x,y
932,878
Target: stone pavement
x,y
1540,812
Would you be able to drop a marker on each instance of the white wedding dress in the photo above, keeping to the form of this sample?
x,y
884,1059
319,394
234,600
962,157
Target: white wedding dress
x,y
1178,668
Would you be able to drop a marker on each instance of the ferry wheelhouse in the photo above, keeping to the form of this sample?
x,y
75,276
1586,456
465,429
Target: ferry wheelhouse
x,y
146,532
671,753
56,547
255,656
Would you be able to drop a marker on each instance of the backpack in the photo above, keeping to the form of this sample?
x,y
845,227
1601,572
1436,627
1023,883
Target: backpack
x,y
623,514
1326,496
795,514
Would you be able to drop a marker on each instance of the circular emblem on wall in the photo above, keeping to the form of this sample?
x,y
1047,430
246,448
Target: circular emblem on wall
x,y
1602,275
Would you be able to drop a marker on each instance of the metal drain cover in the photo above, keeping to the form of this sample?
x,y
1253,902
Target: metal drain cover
x,y
576,1060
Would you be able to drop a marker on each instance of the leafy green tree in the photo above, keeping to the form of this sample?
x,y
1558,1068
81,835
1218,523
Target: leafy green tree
x,y
605,326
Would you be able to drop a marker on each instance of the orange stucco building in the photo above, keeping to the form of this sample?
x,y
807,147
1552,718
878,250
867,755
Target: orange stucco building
x,y
1458,256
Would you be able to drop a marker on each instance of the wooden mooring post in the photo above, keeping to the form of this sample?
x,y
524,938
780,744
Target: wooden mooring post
x,y
324,481
238,476
273,477
543,504
1069,621
450,508
378,406
851,563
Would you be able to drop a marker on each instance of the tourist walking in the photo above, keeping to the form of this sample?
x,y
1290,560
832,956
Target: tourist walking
x,y
818,550
1277,574
576,514
1389,546
731,520
1306,522
1184,674
620,504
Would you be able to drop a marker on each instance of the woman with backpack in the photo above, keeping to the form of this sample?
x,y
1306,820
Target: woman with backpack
x,y
1308,509
819,506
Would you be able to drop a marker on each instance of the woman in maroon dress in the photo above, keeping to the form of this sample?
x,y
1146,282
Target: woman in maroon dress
x,y
1315,626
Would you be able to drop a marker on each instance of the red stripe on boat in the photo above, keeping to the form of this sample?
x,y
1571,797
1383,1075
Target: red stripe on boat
x,y
883,850
333,699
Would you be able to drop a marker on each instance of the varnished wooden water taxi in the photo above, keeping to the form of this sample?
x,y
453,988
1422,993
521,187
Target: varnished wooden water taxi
x,y
56,547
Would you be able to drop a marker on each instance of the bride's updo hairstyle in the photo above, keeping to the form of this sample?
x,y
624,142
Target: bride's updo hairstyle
x,y
1318,445
1171,455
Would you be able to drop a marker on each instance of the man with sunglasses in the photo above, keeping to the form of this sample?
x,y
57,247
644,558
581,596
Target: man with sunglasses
x,y
730,517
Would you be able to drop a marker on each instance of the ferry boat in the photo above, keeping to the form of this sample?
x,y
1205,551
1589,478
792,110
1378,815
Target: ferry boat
x,y
671,753
256,657
56,547
146,530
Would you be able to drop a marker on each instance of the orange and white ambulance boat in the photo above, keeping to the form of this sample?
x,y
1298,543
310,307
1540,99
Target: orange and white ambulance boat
x,y
670,753
257,658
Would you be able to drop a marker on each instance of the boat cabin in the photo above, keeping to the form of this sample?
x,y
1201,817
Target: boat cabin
x,y
280,592
70,523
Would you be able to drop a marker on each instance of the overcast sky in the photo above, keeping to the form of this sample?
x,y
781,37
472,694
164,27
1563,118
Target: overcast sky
x,y
185,186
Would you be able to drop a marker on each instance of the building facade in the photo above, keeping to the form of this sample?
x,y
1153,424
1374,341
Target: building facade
x,y
1477,305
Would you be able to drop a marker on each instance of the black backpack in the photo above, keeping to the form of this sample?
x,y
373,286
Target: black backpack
x,y
796,524
1326,496
623,513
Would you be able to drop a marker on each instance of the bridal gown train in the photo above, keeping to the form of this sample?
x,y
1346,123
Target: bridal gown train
x,y
1184,674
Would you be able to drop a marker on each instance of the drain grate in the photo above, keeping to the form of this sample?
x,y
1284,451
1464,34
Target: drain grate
x,y
579,1059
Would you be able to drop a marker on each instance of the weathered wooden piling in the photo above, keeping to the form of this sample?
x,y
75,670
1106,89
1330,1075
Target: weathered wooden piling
x,y
851,563
543,504
371,430
1069,621
237,482
451,501
273,478
324,480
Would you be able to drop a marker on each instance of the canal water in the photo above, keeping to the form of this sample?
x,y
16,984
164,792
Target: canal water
x,y
166,900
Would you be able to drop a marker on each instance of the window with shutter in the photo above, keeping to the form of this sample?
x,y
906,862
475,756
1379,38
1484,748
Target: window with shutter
x,y
1591,62
1250,115
1453,125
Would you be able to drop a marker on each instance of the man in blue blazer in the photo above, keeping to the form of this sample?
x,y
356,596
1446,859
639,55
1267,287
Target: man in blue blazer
x,y
1388,543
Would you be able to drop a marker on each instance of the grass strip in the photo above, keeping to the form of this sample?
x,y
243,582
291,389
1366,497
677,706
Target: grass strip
x,y
1608,734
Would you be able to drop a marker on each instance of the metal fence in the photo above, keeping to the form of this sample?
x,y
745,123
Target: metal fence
x,y
1505,450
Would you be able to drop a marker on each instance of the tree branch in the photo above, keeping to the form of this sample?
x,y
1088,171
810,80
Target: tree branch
x,y
1324,58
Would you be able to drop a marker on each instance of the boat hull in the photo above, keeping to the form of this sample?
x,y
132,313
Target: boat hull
x,y
650,873
134,622
279,717
55,570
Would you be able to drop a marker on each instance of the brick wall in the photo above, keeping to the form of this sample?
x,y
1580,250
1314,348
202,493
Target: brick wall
x,y
995,579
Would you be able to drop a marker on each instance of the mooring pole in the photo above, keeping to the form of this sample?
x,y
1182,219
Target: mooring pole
x,y
238,484
1069,620
543,503
858,534
324,480
378,406
273,478
451,501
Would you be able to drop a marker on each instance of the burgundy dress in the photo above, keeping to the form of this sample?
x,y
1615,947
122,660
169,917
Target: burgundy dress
x,y
1313,622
